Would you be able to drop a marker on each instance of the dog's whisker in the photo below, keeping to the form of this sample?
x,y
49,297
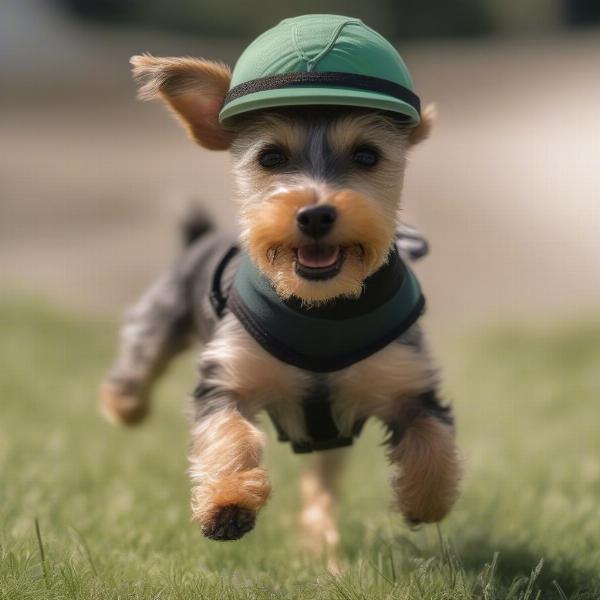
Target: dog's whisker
x,y
272,254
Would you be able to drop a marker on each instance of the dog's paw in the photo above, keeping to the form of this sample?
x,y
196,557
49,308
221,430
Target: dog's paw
x,y
122,407
229,523
434,511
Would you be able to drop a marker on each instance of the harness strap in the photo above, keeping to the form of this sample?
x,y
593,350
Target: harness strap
x,y
321,429
218,298
333,336
317,413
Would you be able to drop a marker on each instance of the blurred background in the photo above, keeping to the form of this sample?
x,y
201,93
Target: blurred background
x,y
506,189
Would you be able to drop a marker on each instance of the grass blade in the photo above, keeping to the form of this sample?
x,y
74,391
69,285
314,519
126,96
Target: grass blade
x,y
38,534
86,549
560,591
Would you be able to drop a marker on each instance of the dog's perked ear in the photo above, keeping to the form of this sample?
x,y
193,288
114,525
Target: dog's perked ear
x,y
193,88
423,130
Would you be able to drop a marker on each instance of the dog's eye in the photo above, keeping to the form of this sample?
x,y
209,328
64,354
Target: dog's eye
x,y
365,156
272,157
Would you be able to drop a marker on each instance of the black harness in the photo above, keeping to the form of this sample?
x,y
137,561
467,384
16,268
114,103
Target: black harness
x,y
320,339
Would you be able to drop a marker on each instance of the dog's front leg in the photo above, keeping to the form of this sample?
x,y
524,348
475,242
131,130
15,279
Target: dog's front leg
x,y
423,450
230,484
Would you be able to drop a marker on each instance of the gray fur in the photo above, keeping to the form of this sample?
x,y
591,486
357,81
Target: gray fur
x,y
426,405
316,159
170,315
239,377
211,396
176,310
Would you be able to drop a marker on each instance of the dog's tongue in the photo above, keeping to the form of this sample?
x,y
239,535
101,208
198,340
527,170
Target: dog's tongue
x,y
316,256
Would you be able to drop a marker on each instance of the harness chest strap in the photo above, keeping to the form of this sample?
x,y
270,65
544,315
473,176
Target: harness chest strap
x,y
325,338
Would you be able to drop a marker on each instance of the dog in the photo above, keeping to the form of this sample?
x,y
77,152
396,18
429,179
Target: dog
x,y
318,188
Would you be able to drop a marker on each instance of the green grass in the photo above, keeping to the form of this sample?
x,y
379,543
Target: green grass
x,y
112,505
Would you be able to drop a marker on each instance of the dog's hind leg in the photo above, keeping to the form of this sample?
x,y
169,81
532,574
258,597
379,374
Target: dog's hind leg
x,y
319,489
423,449
154,330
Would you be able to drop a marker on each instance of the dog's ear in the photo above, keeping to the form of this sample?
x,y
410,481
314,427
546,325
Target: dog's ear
x,y
193,88
423,129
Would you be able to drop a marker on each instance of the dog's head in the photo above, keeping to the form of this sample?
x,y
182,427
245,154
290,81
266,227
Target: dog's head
x,y
319,187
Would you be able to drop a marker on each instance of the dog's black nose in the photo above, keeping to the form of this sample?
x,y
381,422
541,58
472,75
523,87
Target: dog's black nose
x,y
316,220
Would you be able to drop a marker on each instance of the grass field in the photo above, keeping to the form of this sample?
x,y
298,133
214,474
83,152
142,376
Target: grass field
x,y
112,505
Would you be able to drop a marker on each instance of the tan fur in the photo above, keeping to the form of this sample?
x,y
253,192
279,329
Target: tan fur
x,y
378,385
367,203
427,485
423,130
344,134
319,489
255,377
226,450
225,456
121,407
193,88
361,220
374,387
319,529
362,231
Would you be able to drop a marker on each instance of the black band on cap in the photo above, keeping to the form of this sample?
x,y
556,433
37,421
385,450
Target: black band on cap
x,y
327,78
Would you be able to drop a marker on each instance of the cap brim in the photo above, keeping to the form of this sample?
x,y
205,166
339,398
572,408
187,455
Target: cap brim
x,y
307,96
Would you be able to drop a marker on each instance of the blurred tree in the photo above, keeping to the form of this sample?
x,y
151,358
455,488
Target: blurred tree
x,y
407,18
100,10
582,12
393,18
432,18
528,16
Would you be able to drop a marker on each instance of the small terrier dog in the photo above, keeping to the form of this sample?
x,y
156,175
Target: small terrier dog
x,y
319,194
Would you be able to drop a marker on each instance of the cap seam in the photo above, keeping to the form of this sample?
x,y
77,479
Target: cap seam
x,y
295,41
312,62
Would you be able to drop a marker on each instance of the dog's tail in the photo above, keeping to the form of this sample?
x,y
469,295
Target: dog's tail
x,y
194,224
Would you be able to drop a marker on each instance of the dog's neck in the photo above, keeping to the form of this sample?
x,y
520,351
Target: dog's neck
x,y
377,289
334,335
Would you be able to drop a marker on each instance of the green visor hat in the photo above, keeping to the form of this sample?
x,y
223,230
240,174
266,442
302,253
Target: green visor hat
x,y
321,60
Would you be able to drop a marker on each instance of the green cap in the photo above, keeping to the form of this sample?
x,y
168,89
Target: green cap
x,y
321,59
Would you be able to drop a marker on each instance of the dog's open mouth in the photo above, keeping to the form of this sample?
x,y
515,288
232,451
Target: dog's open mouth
x,y
318,261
